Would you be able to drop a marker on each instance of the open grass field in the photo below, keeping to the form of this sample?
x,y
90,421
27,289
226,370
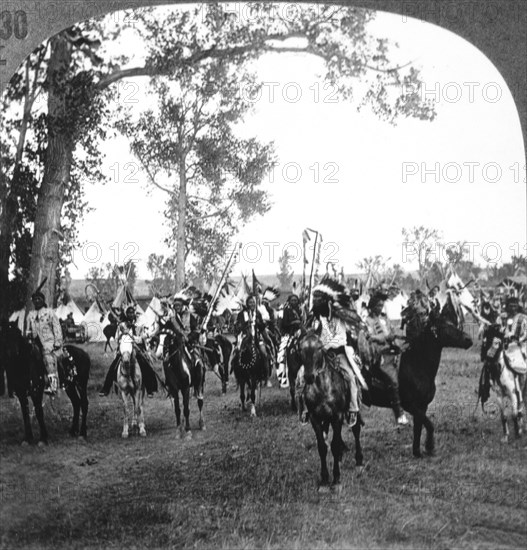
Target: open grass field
x,y
252,483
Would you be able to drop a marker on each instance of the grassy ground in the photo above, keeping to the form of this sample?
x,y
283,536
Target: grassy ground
x,y
251,483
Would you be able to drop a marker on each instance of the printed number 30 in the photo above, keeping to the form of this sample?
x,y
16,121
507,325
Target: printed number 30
x,y
10,25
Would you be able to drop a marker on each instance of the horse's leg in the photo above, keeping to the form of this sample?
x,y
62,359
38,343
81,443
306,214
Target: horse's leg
x,y
186,411
83,393
242,394
418,428
24,406
429,441
39,413
199,396
253,384
126,398
71,392
322,452
177,410
503,417
140,411
336,449
358,447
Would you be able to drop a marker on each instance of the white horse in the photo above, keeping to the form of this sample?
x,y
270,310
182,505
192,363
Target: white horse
x,y
509,385
130,383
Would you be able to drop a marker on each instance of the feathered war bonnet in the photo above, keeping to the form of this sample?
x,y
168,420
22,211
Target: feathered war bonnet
x,y
271,293
339,300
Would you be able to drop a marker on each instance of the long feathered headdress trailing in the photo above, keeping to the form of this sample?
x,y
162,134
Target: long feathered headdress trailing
x,y
340,300
271,293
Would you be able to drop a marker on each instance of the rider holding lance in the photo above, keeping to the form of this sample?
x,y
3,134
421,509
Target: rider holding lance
x,y
333,315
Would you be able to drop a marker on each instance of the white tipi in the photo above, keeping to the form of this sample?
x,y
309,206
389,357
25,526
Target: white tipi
x,y
93,324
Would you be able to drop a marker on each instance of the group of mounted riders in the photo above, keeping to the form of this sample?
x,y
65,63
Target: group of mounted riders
x,y
357,341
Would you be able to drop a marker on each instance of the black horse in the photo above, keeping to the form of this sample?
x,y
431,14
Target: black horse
x,y
25,376
250,369
184,370
417,372
109,332
218,352
327,397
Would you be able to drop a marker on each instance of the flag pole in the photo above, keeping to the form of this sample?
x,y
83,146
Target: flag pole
x,y
218,288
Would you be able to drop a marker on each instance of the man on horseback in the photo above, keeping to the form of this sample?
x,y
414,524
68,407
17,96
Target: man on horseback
x,y
44,327
128,326
384,353
292,321
250,320
332,314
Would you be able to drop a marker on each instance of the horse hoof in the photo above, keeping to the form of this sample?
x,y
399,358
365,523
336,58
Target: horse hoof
x,y
82,438
323,488
430,452
188,435
337,487
504,439
124,435
418,454
24,443
42,443
202,426
142,432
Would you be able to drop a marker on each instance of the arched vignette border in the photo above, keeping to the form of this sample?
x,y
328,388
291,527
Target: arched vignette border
x,y
498,28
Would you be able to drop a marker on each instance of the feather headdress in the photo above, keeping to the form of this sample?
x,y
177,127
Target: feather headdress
x,y
182,297
271,293
340,300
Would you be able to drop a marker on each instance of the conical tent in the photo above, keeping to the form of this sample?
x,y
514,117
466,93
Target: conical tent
x,y
64,310
94,326
149,317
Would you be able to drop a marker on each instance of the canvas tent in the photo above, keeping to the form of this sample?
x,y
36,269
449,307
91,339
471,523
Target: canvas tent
x,y
93,324
64,310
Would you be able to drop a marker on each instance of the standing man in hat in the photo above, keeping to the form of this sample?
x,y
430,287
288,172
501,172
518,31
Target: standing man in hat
x,y
384,354
43,325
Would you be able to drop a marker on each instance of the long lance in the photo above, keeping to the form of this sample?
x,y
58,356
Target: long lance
x,y
218,289
312,266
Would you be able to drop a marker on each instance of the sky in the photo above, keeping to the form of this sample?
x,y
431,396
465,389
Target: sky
x,y
353,178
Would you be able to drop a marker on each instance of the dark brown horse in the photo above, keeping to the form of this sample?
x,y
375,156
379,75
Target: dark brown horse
x,y
293,362
327,396
250,369
25,375
183,370
417,372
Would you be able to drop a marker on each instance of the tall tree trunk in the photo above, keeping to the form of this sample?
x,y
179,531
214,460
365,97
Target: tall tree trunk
x,y
181,227
58,159
8,194
8,211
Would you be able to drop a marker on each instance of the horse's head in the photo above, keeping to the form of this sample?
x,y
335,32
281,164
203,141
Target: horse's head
x,y
447,328
312,354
